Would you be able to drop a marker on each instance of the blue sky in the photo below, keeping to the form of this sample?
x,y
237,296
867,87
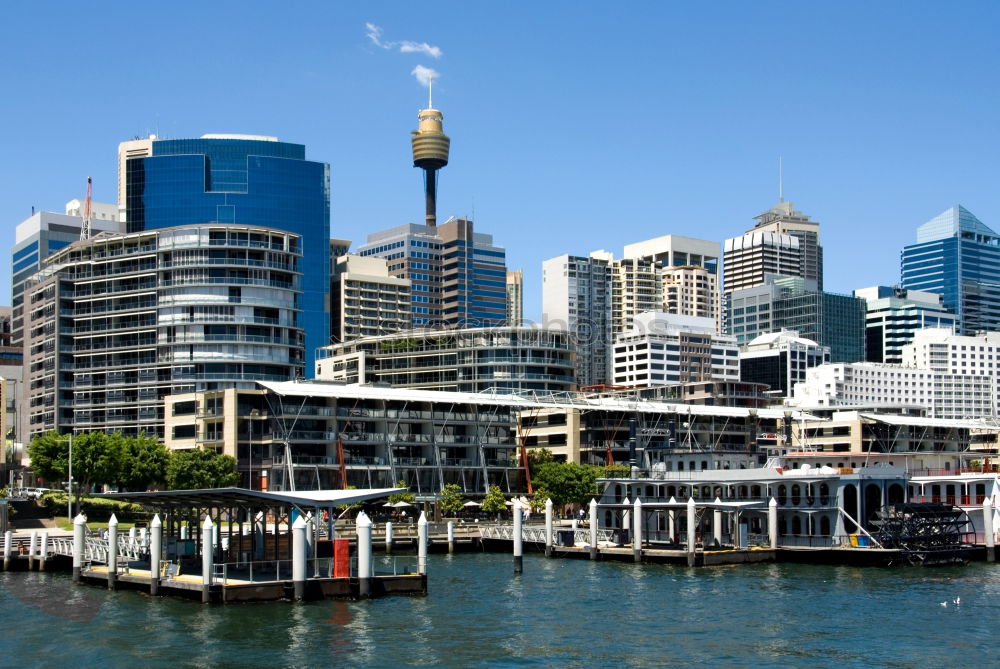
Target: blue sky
x,y
575,125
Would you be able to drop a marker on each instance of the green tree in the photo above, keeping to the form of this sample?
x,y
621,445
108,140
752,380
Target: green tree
x,y
614,471
567,482
198,468
494,500
451,498
98,458
405,496
538,498
146,460
539,456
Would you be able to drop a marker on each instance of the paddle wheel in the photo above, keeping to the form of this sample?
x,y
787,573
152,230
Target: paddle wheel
x,y
925,534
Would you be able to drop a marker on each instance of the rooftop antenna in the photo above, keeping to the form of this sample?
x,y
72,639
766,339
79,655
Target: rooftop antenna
x,y
781,181
85,228
430,92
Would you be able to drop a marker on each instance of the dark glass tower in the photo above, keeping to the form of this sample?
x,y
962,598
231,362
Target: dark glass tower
x,y
247,180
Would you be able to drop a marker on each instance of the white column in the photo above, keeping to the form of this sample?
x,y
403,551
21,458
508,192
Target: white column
x,y
388,537
79,537
772,523
451,536
144,538
548,528
422,544
363,527
8,546
691,535
207,531
299,548
593,529
672,520
988,530
717,523
518,537
637,530
43,550
112,552
155,551
626,516
32,547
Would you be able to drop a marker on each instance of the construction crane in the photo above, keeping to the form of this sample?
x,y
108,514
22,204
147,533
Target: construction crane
x,y
85,228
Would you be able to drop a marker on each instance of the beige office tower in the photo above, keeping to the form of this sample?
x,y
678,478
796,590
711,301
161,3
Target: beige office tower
x,y
367,300
691,291
783,219
635,289
515,298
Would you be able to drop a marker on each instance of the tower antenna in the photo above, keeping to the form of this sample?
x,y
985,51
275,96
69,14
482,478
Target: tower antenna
x,y
85,228
430,153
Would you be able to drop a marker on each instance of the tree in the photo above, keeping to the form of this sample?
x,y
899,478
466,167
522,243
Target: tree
x,y
146,460
539,456
567,482
199,468
98,458
494,500
451,498
405,496
538,498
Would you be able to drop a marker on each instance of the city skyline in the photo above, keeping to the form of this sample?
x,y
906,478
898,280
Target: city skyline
x,y
669,120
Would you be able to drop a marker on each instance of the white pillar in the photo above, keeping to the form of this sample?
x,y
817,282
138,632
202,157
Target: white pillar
x,y
363,527
144,538
422,544
772,523
207,531
548,528
299,547
43,550
593,529
32,547
637,530
691,535
988,530
517,537
626,517
79,537
8,546
717,523
184,531
672,520
113,552
132,534
155,551
388,537
451,536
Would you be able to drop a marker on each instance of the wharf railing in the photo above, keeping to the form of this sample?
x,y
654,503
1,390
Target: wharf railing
x,y
535,534
257,571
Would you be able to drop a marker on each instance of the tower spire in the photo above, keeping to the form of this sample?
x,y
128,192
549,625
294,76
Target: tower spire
x,y
430,92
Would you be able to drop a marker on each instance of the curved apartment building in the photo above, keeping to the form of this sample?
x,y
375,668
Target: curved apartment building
x,y
117,322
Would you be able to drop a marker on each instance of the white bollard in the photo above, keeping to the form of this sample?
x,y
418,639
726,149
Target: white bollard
x,y
451,536
388,537
8,547
626,520
692,537
772,523
593,529
207,532
717,524
155,549
112,552
548,528
299,547
422,544
637,530
988,530
79,537
43,550
32,547
363,527
144,539
518,538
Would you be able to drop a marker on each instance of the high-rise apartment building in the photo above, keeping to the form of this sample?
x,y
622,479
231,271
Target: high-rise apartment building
x,y
894,315
367,300
248,180
115,323
576,298
42,234
783,219
635,289
458,275
515,298
690,290
957,257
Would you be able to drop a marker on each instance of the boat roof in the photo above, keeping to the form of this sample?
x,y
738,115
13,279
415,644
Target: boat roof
x,y
235,497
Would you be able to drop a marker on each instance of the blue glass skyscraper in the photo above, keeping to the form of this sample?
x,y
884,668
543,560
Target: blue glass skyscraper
x,y
957,257
243,179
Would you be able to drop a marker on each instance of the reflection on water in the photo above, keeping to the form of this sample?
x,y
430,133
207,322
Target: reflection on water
x,y
557,613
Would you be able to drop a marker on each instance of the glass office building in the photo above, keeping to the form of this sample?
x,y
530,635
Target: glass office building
x,y
957,257
246,180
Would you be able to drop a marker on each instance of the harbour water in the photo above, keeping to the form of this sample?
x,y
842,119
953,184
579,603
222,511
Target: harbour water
x,y
558,613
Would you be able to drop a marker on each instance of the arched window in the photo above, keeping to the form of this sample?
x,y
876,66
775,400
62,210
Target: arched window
x,y
782,494
618,493
782,526
824,526
755,492
796,497
796,525
824,494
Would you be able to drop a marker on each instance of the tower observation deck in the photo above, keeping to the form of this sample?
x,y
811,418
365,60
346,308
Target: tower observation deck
x,y
430,153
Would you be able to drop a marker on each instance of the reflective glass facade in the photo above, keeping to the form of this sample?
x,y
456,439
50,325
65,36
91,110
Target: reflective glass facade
x,y
250,182
957,257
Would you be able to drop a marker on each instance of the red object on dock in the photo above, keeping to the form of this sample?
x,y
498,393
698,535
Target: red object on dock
x,y
341,558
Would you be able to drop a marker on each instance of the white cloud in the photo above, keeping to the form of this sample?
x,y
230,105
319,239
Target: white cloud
x,y
374,33
424,74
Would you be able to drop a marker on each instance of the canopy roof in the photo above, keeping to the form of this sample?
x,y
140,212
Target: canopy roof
x,y
241,497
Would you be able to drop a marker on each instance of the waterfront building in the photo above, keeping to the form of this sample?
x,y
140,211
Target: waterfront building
x,y
116,322
958,257
367,300
791,303
250,180
515,298
503,359
458,276
11,369
668,350
576,298
894,315
703,393
780,359
783,219
39,236
321,436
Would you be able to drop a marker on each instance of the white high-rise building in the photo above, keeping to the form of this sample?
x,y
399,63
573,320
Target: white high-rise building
x,y
367,300
894,314
689,290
